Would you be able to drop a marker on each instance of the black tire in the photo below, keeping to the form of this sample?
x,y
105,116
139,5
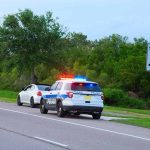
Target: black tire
x,y
77,114
18,101
96,116
32,105
43,110
60,111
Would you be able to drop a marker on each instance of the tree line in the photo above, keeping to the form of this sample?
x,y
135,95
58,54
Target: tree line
x,y
36,48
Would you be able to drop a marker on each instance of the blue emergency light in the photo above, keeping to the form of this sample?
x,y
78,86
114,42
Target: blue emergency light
x,y
81,78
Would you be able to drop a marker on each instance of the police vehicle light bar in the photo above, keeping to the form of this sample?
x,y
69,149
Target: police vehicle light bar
x,y
72,77
81,78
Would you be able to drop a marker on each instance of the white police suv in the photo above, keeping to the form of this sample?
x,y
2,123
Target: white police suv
x,y
76,96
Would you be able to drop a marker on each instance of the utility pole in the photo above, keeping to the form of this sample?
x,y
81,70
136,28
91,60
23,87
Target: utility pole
x,y
148,58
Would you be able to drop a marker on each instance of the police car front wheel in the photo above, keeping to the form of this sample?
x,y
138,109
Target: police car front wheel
x,y
43,110
60,111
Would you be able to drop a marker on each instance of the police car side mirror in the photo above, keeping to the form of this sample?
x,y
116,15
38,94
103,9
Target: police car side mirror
x,y
47,88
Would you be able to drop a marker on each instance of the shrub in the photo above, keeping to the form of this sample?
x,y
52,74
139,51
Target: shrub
x,y
132,103
113,96
148,103
117,97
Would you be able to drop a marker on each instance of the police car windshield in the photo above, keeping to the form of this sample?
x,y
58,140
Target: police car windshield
x,y
43,87
79,86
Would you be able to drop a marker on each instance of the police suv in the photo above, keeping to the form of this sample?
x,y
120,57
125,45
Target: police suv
x,y
75,96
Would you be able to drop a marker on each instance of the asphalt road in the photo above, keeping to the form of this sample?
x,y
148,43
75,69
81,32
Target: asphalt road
x,y
24,128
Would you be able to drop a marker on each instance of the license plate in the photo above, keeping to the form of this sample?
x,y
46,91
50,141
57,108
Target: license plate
x,y
87,97
51,101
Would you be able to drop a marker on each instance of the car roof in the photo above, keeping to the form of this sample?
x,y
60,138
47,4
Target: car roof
x,y
42,84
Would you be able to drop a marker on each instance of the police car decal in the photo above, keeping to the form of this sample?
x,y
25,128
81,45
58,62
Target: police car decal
x,y
55,96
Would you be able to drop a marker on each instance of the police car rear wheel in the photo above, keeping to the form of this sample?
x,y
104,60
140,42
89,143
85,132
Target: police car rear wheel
x,y
43,110
60,111
77,114
96,116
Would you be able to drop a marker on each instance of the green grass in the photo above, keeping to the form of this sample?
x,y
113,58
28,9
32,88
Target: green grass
x,y
8,96
142,122
135,117
126,110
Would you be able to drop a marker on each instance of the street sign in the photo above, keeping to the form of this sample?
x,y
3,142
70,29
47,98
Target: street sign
x,y
148,58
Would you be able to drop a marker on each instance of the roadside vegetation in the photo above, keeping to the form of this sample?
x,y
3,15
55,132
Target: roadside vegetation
x,y
36,48
8,96
135,117
118,97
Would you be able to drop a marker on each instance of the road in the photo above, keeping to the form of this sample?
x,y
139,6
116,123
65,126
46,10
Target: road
x,y
24,128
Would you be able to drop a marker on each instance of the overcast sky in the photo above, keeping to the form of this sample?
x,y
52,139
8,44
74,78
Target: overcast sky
x,y
94,18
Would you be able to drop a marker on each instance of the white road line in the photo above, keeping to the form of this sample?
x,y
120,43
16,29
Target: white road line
x,y
77,124
52,142
38,138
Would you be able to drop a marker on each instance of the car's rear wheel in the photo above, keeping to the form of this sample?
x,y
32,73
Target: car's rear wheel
x,y
60,111
96,116
32,105
43,110
19,101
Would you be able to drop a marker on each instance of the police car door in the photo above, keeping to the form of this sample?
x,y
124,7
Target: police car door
x,y
52,96
56,94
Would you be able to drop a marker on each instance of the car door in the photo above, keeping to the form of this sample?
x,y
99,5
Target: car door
x,y
57,90
27,96
30,93
24,94
52,96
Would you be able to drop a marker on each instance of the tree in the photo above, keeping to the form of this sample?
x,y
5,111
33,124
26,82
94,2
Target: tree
x,y
76,52
29,40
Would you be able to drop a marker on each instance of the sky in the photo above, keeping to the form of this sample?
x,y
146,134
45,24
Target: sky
x,y
94,18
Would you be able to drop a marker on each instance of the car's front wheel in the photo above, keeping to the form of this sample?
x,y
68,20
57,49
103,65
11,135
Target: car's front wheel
x,y
43,110
96,116
19,101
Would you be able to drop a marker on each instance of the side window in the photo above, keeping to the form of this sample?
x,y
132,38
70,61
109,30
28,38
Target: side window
x,y
32,87
59,86
67,86
53,87
28,88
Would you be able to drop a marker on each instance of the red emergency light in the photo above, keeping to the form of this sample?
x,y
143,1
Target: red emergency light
x,y
66,76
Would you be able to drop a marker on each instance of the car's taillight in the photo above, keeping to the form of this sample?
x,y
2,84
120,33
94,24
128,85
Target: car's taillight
x,y
102,97
70,94
39,93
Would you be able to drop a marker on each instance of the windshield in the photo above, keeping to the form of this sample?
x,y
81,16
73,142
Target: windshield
x,y
79,86
43,87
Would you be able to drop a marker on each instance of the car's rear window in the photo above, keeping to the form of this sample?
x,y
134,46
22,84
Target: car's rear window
x,y
43,87
79,86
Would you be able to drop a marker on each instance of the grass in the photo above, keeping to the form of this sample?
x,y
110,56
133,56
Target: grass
x,y
8,96
135,117
126,110
142,122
